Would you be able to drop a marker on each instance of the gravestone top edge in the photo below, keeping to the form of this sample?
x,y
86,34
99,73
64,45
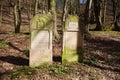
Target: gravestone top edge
x,y
71,23
41,21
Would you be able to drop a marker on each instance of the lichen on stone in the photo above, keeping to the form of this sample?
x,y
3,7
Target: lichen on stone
x,y
70,55
70,18
41,21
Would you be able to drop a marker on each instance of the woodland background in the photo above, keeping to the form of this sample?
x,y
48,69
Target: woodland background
x,y
100,25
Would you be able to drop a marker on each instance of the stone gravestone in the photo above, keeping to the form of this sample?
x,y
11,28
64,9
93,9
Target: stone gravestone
x,y
72,40
41,40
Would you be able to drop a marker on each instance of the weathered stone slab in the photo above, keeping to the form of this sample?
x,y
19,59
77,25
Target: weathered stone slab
x,y
72,41
72,47
41,21
73,26
39,57
71,23
41,49
41,40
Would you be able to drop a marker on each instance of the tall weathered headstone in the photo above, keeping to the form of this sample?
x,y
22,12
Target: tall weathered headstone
x,y
41,40
72,40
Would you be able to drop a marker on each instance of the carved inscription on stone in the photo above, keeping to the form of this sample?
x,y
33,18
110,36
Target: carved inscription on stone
x,y
73,26
41,41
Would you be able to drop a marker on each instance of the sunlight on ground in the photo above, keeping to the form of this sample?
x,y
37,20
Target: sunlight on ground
x,y
104,32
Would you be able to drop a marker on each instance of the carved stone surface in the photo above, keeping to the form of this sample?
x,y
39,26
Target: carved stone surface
x,y
72,41
41,49
41,40
72,47
73,26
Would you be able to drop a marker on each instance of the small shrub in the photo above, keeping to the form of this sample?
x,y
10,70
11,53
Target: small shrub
x,y
60,70
3,44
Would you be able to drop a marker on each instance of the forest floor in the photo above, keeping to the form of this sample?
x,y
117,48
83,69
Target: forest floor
x,y
101,58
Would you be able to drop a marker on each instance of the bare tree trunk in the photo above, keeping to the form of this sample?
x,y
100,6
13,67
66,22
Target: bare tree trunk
x,y
52,8
17,16
115,16
98,14
87,15
65,10
29,9
36,7
104,11
78,7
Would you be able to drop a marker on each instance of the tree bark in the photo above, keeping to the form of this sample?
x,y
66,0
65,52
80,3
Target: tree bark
x,y
104,11
65,12
53,10
98,14
36,7
17,16
115,15
87,15
78,7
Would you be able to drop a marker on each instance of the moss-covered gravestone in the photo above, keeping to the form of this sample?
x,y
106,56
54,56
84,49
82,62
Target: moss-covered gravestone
x,y
41,39
72,40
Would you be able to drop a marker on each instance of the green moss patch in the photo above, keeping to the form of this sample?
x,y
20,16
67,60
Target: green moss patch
x,y
60,69
73,18
70,55
3,44
70,18
41,21
22,72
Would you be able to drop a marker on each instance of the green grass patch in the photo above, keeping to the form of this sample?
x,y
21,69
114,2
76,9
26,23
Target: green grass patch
x,y
114,32
56,71
3,44
28,72
25,71
108,32
61,69
96,32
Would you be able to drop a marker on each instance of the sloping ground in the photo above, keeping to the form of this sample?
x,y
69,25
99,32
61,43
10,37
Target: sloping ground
x,y
104,49
12,52
60,72
101,51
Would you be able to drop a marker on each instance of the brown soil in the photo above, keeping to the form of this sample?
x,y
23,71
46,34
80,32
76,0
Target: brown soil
x,y
103,48
12,56
101,55
101,52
